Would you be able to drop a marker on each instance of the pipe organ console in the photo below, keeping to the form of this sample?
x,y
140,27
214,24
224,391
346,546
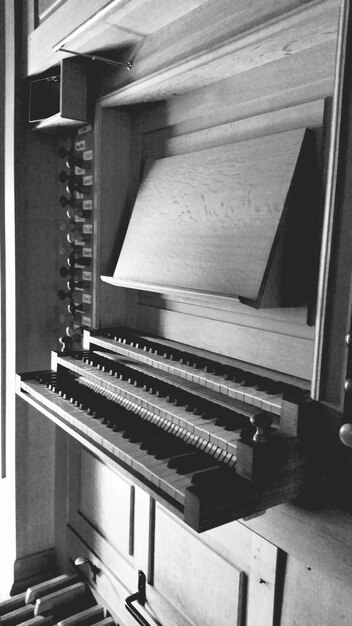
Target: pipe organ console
x,y
190,360
213,450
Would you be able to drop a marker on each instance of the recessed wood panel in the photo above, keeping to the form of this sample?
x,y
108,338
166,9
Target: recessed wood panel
x,y
310,597
272,350
203,585
105,501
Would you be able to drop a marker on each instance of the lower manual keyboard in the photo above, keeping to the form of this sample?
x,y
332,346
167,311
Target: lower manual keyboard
x,y
213,424
157,455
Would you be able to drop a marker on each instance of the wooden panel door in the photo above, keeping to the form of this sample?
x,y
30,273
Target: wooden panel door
x,y
192,579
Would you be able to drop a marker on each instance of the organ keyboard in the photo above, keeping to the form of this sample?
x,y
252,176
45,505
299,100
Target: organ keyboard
x,y
207,438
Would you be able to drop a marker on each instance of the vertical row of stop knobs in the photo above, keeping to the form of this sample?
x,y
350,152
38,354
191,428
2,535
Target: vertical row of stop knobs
x,y
76,245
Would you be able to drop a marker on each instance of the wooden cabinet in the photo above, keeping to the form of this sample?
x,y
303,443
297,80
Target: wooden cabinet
x,y
229,575
191,579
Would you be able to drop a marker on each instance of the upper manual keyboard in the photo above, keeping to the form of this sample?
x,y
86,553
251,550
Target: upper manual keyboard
x,y
237,383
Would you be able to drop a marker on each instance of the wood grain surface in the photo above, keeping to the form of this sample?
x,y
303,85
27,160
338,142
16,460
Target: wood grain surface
x,y
207,220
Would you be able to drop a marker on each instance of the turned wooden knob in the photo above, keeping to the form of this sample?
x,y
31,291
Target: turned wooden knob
x,y
345,434
262,423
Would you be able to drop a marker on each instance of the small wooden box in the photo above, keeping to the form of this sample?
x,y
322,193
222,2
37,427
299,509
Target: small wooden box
x,y
60,99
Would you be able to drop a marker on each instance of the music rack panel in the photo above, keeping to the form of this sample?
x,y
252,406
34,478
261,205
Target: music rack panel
x,y
230,198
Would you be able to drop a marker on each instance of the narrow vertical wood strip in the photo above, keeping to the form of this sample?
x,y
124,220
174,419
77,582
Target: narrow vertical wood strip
x,y
262,582
151,542
132,518
10,113
279,586
2,250
242,600
330,197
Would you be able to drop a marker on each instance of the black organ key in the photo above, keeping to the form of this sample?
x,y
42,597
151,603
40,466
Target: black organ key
x,y
155,442
229,420
238,375
141,433
115,417
250,380
270,387
169,448
220,370
192,462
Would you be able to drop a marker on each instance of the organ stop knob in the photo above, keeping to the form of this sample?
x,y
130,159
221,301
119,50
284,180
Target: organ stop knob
x,y
82,560
345,434
262,423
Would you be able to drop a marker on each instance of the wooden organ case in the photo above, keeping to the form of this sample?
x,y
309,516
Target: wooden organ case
x,y
178,262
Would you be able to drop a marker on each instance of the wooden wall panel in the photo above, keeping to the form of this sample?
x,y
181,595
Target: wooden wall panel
x,y
294,79
291,355
114,171
102,499
35,482
321,538
310,597
258,31
203,586
165,142
181,60
108,588
102,491
46,7
262,583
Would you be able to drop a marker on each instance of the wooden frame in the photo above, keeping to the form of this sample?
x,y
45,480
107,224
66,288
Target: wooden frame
x,y
334,178
2,254
7,231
